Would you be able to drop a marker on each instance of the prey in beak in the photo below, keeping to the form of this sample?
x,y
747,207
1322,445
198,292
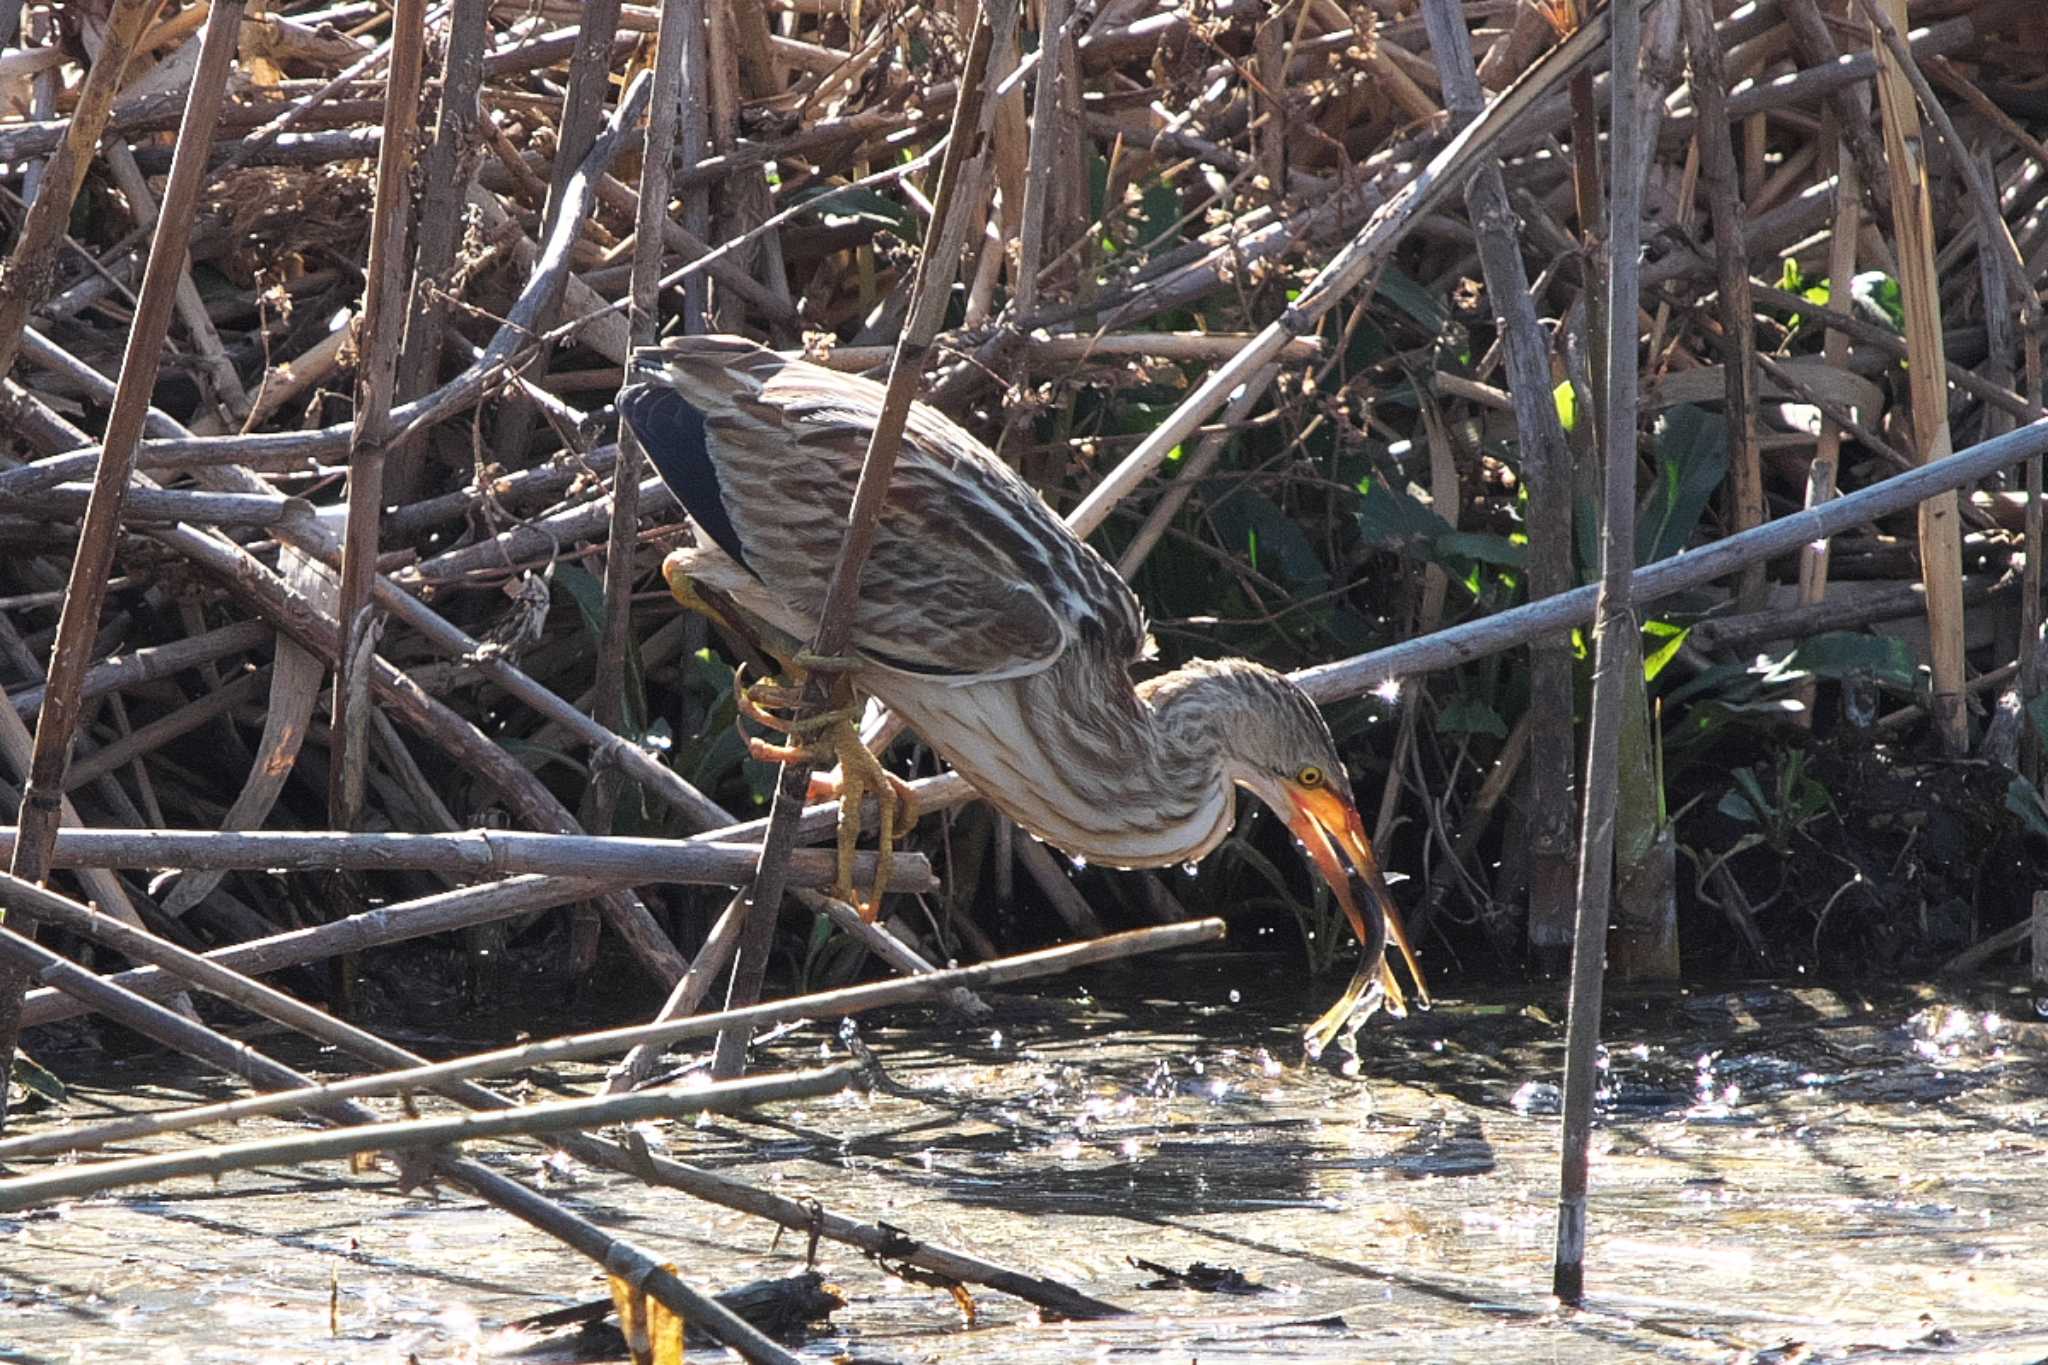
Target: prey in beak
x,y
1328,826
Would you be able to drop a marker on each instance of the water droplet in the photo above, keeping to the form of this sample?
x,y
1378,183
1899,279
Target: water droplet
x,y
1079,863
1188,868
1235,997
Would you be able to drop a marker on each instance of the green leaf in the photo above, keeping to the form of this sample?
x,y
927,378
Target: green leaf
x,y
1673,639
1471,716
1396,520
2023,800
1845,654
1401,290
1486,549
1247,519
1692,460
1877,296
1737,808
586,590
1567,399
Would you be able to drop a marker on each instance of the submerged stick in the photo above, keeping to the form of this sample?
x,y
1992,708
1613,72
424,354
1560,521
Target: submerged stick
x,y
1614,647
720,1189
204,1044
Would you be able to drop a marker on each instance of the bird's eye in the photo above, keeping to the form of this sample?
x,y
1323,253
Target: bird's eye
x,y
1311,776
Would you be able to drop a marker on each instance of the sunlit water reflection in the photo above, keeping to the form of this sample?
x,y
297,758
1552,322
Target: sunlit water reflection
x,y
1781,1175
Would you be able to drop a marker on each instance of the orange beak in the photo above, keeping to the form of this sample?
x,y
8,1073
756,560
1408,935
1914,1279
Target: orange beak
x,y
1327,823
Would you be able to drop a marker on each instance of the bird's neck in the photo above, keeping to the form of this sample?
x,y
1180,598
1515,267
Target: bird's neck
x,y
1188,714
1107,775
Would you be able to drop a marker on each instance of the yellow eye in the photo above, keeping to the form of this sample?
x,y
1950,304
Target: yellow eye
x,y
1311,776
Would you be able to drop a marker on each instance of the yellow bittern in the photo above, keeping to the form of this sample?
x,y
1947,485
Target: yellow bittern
x,y
992,629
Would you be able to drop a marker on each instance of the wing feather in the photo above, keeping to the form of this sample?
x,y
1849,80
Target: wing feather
x,y
971,578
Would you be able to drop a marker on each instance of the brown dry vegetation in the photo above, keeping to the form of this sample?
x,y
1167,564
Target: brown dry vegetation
x,y
1185,173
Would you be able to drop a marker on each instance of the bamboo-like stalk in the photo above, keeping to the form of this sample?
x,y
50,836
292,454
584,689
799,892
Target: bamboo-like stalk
x,y
470,853
581,119
447,167
1614,649
42,798
1941,556
808,1215
384,316
928,294
30,265
1546,467
408,1135
623,535
1821,476
154,1021
584,1046
1731,256
1055,51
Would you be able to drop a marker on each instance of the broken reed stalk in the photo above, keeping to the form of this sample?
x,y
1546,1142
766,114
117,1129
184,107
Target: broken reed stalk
x,y
581,115
478,853
805,1216
30,269
1546,469
614,644
206,1045
442,912
385,305
1731,258
1941,552
92,564
1614,646
1446,173
1487,635
929,291
526,1120
1822,476
825,1005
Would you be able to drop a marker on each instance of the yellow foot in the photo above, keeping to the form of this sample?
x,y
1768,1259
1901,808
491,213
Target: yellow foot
x,y
830,737
862,775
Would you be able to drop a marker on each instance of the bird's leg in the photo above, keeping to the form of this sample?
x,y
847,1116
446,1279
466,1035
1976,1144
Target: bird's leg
x,y
828,737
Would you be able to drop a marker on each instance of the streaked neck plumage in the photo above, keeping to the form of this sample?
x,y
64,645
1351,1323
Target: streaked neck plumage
x,y
1123,778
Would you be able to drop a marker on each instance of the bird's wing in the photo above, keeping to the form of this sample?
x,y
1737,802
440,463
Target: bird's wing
x,y
971,577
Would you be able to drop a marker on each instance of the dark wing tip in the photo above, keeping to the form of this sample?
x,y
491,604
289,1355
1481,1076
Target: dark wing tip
x,y
673,434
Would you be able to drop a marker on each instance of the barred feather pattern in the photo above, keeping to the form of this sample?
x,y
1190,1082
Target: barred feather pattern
x,y
1000,637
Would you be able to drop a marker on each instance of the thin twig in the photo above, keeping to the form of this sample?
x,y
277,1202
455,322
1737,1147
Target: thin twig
x,y
91,568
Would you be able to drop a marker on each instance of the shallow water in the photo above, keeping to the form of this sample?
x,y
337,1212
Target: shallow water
x,y
1781,1174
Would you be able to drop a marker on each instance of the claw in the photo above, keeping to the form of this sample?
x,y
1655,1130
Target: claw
x,y
833,736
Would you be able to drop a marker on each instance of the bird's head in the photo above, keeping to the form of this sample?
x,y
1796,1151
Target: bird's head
x,y
1272,741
